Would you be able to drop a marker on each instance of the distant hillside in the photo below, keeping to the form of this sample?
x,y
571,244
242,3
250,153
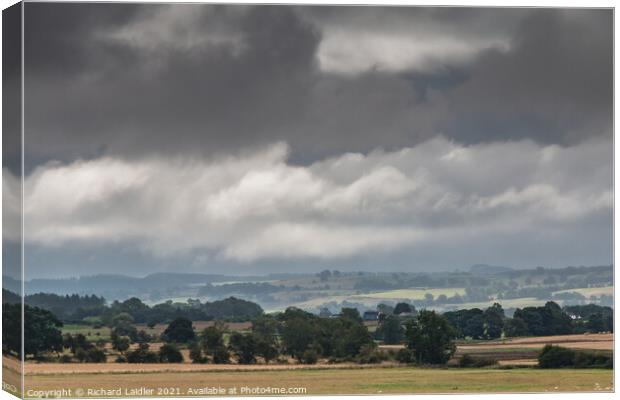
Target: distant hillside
x,y
481,283
10,297
484,269
114,286
11,284
154,286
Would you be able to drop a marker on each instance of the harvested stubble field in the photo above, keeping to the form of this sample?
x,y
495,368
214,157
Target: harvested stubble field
x,y
344,381
523,351
599,341
595,341
124,368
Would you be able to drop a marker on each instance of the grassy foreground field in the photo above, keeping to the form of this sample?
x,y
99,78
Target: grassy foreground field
x,y
399,380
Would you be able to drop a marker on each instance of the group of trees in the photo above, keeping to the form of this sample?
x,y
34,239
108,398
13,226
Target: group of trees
x,y
68,306
302,335
561,357
390,330
591,318
306,336
429,339
82,349
549,319
168,353
476,323
76,308
542,321
41,330
230,309
210,346
428,336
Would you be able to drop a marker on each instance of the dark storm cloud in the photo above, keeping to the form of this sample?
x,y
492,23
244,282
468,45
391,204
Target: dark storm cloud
x,y
255,136
203,97
148,79
11,88
555,84
59,37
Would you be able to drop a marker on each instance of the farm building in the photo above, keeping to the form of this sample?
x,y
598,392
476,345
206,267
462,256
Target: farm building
x,y
371,315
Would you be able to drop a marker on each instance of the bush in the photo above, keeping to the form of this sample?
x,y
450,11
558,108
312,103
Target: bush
x,y
120,359
370,355
556,357
221,355
80,354
309,356
142,355
593,360
404,356
243,347
169,353
390,354
559,357
120,343
195,354
484,362
467,361
95,355
65,358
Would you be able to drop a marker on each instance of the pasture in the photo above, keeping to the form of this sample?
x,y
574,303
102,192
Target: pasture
x,y
91,333
594,291
414,293
371,299
199,326
376,380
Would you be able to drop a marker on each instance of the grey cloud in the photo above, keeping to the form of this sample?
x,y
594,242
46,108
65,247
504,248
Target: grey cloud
x,y
555,83
217,79
59,38
217,138
205,98
260,207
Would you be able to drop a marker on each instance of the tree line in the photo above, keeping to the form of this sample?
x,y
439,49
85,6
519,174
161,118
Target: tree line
x,y
492,323
301,335
546,320
93,309
429,337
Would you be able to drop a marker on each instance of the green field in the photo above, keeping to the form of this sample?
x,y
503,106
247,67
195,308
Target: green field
x,y
370,300
506,303
414,294
348,381
92,334
594,291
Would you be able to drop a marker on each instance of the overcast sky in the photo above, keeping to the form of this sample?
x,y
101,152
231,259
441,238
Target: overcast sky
x,y
237,139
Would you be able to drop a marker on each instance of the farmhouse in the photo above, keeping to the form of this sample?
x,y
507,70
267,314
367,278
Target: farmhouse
x,y
371,315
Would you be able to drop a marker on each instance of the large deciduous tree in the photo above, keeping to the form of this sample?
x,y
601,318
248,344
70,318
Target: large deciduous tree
x,y
430,337
180,330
